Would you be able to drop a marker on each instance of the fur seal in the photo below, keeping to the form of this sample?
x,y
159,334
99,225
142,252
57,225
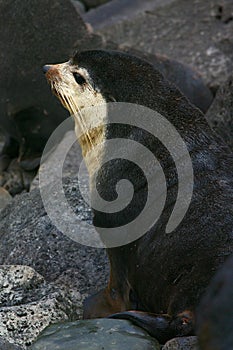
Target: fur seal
x,y
158,280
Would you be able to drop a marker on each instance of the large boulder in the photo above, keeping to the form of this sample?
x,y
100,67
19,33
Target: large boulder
x,y
33,34
28,237
196,33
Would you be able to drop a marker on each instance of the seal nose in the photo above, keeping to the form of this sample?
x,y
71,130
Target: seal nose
x,y
46,68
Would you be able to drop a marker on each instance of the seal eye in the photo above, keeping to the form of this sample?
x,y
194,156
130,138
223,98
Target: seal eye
x,y
79,79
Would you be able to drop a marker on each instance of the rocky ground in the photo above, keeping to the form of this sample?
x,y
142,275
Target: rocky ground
x,y
44,275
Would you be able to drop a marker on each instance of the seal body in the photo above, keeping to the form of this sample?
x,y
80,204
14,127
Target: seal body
x,y
157,280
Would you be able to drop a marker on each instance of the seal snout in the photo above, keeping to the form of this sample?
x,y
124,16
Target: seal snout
x,y
46,68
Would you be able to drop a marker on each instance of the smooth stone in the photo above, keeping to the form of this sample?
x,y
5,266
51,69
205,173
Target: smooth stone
x,y
95,335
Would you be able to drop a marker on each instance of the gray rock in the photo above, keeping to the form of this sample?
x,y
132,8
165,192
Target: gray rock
x,y
5,345
28,237
220,114
182,343
198,34
70,166
5,198
28,304
95,335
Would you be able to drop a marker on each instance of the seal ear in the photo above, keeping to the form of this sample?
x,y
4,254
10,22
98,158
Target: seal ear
x,y
162,327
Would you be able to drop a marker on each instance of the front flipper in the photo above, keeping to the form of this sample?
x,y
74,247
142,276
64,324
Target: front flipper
x,y
162,327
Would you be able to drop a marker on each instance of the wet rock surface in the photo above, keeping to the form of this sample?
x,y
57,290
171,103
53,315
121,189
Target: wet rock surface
x,y
220,113
95,335
198,34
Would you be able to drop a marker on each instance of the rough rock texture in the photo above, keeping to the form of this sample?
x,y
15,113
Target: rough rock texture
x,y
197,33
28,304
5,345
70,167
95,335
27,237
220,114
215,312
182,343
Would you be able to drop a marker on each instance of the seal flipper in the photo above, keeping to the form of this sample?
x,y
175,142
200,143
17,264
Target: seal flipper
x,y
162,327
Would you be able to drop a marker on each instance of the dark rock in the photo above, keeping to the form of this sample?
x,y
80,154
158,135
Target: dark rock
x,y
94,3
198,34
34,33
215,312
220,114
182,343
95,335
28,304
5,345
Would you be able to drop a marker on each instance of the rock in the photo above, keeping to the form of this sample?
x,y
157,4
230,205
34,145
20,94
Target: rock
x,y
70,166
215,312
220,114
28,304
95,335
28,237
15,179
5,198
28,111
198,34
182,343
5,345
